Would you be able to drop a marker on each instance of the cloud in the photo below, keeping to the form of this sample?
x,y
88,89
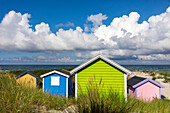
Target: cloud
x,y
127,37
68,24
65,59
123,38
17,35
154,57
97,19
40,59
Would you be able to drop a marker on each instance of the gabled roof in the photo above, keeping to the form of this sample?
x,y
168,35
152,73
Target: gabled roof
x,y
102,58
65,72
26,72
57,72
136,81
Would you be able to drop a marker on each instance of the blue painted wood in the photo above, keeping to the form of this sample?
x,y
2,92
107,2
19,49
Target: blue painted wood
x,y
55,90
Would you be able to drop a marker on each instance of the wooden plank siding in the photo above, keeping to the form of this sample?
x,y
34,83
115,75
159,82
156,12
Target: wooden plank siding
x,y
112,78
55,89
27,80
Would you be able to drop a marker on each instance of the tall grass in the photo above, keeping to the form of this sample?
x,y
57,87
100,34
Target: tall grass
x,y
17,98
156,106
99,101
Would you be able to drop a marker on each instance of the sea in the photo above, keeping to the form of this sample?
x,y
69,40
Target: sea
x,y
163,68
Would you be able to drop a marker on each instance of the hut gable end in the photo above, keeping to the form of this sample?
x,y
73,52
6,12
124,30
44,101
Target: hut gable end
x,y
57,83
100,69
26,78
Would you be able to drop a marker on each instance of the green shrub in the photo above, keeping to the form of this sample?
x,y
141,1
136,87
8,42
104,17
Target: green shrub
x,y
154,78
152,74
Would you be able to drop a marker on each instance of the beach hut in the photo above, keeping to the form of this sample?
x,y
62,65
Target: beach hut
x,y
58,83
144,88
28,79
113,75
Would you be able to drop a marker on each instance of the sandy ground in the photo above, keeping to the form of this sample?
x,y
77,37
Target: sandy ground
x,y
164,91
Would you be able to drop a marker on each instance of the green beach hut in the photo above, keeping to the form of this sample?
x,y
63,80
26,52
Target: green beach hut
x,y
113,75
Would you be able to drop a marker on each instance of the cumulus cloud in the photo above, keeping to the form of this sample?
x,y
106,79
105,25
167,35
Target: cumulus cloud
x,y
17,35
123,38
128,38
97,19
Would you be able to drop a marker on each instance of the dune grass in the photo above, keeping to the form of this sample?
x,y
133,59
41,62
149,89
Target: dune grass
x,y
97,101
17,98
163,75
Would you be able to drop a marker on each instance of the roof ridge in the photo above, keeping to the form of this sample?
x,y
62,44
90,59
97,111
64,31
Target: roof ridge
x,y
111,62
55,71
25,73
146,80
139,76
135,82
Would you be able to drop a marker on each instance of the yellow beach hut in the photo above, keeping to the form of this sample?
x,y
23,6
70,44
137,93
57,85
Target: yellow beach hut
x,y
27,78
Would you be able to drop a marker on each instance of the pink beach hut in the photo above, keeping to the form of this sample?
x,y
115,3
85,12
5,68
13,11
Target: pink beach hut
x,y
144,88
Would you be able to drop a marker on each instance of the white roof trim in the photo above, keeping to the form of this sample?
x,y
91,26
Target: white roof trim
x,y
57,72
103,58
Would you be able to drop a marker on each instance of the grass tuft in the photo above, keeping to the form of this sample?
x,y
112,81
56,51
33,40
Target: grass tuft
x,y
17,98
96,100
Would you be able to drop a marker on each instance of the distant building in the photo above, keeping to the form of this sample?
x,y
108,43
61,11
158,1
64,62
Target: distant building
x,y
112,74
28,79
58,83
144,88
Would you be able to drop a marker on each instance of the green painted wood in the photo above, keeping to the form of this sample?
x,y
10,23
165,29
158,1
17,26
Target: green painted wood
x,y
112,78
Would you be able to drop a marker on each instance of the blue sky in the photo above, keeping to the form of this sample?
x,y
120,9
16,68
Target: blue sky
x,y
70,32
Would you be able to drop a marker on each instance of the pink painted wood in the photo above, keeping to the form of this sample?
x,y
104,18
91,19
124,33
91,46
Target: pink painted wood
x,y
131,92
148,91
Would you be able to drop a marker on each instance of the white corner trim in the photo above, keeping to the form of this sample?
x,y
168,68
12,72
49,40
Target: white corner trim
x,y
43,85
125,85
66,87
57,72
76,86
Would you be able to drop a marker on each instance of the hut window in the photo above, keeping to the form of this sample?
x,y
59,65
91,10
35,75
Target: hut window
x,y
55,81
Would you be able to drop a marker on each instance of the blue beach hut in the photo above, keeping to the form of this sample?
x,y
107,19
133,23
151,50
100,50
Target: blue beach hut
x,y
58,83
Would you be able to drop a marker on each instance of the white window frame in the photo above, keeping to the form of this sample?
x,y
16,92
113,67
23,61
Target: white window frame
x,y
54,82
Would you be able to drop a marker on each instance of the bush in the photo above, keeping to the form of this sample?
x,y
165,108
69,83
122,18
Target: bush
x,y
152,74
154,78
